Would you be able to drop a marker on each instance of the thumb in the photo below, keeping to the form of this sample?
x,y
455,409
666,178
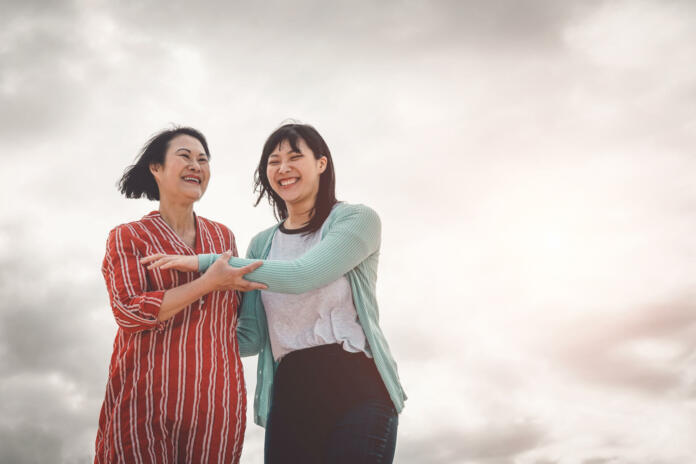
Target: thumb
x,y
224,257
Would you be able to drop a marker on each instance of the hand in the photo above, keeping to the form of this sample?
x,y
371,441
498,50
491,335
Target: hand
x,y
178,262
222,276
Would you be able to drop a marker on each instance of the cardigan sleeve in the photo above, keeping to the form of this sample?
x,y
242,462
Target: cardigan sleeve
x,y
351,238
248,328
134,307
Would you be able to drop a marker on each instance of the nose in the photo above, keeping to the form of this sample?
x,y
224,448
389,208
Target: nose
x,y
284,167
195,165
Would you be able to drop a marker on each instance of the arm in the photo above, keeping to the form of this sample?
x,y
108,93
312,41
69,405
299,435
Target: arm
x,y
136,309
352,238
216,279
178,298
248,331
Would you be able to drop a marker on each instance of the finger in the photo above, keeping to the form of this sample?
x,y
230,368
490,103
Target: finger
x,y
147,259
160,262
253,286
225,257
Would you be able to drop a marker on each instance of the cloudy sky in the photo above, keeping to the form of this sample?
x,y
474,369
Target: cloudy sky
x,y
532,161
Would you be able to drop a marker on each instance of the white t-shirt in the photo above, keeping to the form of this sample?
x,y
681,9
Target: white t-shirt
x,y
321,316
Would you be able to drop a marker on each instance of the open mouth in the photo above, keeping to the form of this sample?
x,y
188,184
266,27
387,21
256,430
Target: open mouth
x,y
288,182
193,180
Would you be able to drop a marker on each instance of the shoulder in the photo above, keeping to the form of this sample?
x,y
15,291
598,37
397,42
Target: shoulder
x,y
127,229
123,237
136,229
355,211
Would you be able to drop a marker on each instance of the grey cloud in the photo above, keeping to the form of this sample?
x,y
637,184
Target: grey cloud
x,y
492,444
418,24
40,49
28,444
599,461
46,326
595,349
52,370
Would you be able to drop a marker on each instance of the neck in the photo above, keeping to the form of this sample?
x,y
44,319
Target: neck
x,y
299,213
179,216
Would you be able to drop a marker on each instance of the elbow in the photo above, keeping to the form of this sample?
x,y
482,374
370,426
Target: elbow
x,y
130,328
132,322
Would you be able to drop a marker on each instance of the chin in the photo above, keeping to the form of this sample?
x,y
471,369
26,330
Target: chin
x,y
289,198
193,196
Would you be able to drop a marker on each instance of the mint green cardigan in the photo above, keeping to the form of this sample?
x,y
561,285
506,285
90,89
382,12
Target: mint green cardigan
x,y
349,246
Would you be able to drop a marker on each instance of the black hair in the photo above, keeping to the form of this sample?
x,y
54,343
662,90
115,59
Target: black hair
x,y
326,196
137,180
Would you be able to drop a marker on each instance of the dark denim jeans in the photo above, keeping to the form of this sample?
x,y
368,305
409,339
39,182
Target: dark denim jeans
x,y
330,406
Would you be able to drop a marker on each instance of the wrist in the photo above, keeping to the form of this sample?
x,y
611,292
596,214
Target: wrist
x,y
207,284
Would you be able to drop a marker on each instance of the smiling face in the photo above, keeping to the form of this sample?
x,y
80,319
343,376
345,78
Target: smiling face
x,y
294,174
185,173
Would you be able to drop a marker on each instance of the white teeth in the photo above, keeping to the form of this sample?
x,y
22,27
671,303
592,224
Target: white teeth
x,y
193,179
285,182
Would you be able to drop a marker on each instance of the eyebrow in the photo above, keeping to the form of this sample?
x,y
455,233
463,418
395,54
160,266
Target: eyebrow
x,y
186,149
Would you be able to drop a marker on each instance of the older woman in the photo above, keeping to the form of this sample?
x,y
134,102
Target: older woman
x,y
175,391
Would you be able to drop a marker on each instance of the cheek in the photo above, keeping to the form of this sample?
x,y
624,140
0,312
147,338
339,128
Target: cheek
x,y
168,175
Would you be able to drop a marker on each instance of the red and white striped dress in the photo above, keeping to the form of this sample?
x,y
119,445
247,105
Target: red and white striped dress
x,y
175,391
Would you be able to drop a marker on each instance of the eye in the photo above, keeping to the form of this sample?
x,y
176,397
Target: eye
x,y
272,163
294,157
203,160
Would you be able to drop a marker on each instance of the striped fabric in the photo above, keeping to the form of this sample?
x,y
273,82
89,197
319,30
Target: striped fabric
x,y
175,391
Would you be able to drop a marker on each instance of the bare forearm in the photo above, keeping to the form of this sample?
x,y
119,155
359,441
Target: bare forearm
x,y
178,298
220,276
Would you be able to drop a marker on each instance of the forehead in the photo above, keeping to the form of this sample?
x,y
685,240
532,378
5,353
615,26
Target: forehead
x,y
285,147
187,142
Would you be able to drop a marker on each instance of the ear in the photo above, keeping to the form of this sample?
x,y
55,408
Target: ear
x,y
155,169
323,162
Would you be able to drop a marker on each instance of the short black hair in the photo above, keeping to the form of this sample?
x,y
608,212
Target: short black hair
x,y
326,196
137,180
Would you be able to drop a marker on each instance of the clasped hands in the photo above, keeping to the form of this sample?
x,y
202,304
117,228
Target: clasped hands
x,y
219,276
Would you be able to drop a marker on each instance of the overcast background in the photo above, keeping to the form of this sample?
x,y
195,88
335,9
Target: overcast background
x,y
533,163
